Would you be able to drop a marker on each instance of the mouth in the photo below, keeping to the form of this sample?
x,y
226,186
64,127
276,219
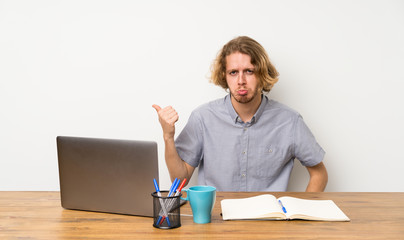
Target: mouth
x,y
242,92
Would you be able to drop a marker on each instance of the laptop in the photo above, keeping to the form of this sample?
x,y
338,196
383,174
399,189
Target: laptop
x,y
107,175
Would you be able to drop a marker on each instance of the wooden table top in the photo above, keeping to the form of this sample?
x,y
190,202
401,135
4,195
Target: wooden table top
x,y
38,215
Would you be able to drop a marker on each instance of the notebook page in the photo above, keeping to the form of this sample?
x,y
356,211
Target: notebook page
x,y
250,208
315,209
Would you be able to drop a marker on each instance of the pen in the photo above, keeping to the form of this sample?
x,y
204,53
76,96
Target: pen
x,y
180,187
163,207
177,192
172,189
283,208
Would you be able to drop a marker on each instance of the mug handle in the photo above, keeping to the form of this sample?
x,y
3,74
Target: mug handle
x,y
185,190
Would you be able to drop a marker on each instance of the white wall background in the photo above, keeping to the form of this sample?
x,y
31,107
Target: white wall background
x,y
94,68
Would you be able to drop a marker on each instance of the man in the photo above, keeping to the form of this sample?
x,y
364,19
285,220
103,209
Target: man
x,y
245,141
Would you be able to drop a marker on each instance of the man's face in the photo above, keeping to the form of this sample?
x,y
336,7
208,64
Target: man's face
x,y
241,78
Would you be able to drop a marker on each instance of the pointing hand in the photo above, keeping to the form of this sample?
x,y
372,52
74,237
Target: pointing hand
x,y
167,117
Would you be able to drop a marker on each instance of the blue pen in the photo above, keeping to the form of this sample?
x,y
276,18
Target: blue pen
x,y
172,192
156,186
163,207
177,192
177,182
283,208
173,187
160,220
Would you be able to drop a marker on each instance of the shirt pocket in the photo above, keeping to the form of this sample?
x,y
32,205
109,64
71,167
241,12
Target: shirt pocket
x,y
271,160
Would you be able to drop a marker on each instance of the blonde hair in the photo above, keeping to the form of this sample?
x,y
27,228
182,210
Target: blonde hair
x,y
264,70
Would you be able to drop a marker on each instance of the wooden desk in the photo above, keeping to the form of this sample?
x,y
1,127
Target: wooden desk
x,y
38,215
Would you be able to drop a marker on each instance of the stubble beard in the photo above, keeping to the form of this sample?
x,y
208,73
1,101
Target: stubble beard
x,y
245,99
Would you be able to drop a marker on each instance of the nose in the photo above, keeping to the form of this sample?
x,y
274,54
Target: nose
x,y
241,78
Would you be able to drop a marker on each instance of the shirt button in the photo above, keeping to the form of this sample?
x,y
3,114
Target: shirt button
x,y
245,129
243,175
244,152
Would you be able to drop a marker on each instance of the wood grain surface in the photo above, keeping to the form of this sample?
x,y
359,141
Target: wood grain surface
x,y
39,215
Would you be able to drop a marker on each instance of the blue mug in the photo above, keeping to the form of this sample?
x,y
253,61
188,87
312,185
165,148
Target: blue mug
x,y
202,200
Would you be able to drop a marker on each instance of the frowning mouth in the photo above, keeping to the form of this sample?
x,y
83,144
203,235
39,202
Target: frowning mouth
x,y
242,92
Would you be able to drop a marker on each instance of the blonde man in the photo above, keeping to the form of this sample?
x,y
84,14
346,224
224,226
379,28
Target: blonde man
x,y
244,141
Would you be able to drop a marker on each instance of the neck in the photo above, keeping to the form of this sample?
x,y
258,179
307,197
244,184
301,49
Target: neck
x,y
246,111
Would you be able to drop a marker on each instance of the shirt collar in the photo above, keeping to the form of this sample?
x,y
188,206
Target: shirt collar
x,y
234,115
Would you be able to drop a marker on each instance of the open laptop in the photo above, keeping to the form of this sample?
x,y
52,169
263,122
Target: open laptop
x,y
107,175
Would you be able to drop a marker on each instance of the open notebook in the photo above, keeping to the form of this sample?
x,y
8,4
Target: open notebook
x,y
266,206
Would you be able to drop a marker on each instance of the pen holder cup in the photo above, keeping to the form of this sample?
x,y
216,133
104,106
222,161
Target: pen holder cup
x,y
166,210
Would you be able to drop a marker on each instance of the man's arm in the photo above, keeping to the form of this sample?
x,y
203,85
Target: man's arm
x,y
176,166
318,178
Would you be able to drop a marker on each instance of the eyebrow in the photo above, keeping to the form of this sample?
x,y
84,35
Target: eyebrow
x,y
233,69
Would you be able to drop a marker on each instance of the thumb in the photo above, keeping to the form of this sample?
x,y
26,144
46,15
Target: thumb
x,y
157,107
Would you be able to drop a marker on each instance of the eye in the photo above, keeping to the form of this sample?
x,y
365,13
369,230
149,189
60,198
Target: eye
x,y
249,71
232,73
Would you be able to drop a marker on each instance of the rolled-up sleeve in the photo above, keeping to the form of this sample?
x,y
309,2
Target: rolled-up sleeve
x,y
189,143
306,148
